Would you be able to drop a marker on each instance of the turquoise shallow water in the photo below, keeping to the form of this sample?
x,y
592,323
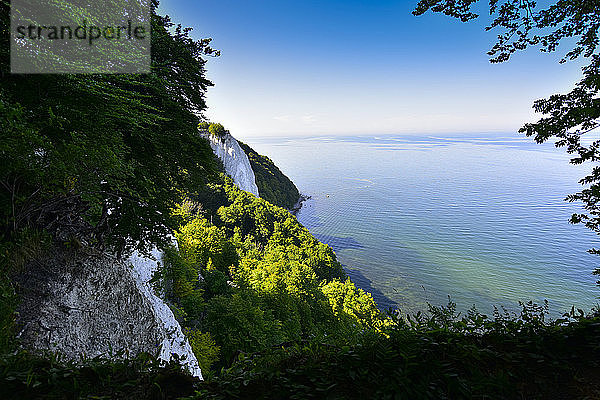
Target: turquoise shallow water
x,y
415,219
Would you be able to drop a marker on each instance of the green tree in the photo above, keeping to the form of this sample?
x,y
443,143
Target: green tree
x,y
204,347
254,278
107,156
567,117
202,244
217,130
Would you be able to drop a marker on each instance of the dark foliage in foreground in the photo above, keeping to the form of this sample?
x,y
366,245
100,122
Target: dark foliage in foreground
x,y
434,357
26,376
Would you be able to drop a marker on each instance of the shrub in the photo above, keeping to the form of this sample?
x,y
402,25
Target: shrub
x,y
241,323
27,376
200,241
204,347
184,285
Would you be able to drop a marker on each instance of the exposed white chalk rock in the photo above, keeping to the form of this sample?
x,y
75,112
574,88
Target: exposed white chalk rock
x,y
173,341
89,305
235,161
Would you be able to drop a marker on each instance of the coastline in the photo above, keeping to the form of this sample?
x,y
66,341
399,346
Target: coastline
x,y
383,302
296,207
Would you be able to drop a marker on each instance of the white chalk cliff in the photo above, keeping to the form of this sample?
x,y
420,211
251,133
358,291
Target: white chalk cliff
x,y
173,339
88,305
235,161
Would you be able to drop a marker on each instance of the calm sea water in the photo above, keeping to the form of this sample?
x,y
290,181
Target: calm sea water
x,y
417,219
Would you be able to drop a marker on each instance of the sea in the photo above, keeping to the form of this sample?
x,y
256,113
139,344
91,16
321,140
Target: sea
x,y
480,220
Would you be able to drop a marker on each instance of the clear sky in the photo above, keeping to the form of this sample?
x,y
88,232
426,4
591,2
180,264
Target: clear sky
x,y
361,67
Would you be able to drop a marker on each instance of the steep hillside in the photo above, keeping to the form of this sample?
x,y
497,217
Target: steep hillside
x,y
273,185
99,171
264,280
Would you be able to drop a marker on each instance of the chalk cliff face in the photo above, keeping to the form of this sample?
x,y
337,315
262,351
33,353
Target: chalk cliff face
x,y
95,305
235,161
173,341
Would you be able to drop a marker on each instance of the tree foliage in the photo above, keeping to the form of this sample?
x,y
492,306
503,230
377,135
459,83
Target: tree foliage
x,y
432,355
570,119
264,279
106,156
217,130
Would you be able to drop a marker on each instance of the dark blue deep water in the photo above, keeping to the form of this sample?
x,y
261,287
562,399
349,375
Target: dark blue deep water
x,y
415,219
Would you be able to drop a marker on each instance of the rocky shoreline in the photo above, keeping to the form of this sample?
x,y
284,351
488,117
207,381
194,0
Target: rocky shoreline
x,y
296,208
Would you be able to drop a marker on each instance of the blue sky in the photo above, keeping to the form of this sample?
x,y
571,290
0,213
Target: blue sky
x,y
361,67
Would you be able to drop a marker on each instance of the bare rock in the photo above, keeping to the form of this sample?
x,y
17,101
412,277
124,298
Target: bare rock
x,y
89,305
235,161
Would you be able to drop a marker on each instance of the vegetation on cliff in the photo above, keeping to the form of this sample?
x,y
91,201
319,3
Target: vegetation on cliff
x,y
97,162
273,185
265,280
217,130
432,355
